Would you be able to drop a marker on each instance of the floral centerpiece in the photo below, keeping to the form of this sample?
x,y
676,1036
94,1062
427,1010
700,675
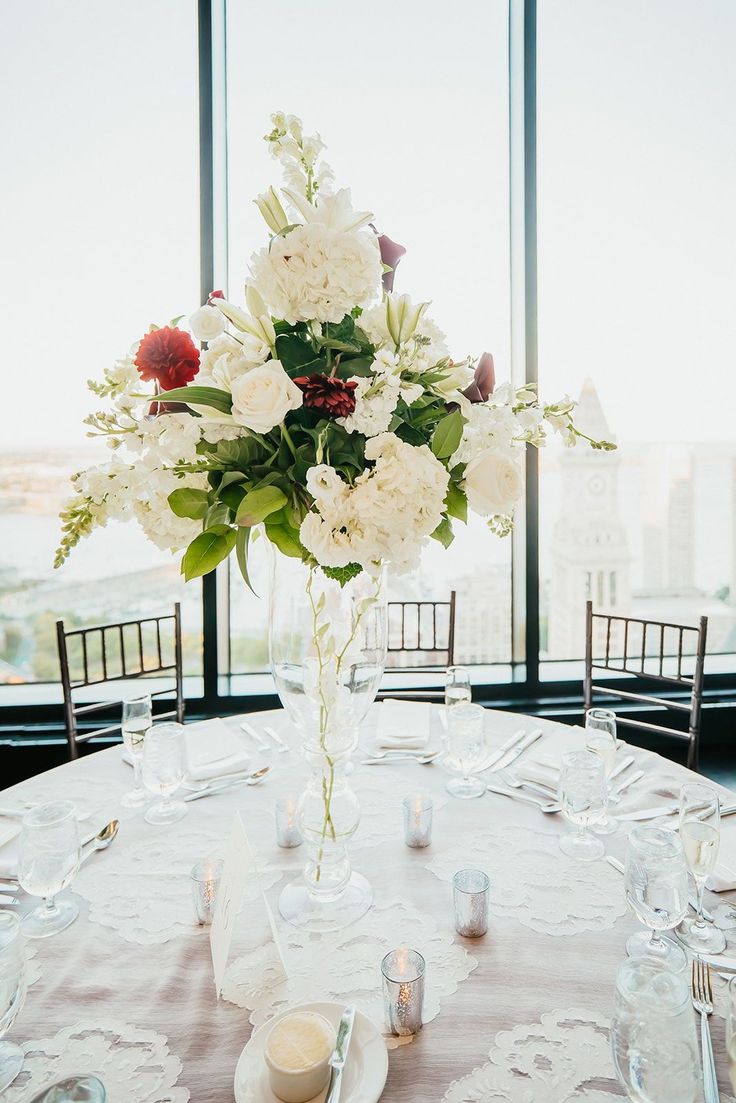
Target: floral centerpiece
x,y
328,413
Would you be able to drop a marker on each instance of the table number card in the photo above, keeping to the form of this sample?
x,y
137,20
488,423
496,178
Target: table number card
x,y
239,879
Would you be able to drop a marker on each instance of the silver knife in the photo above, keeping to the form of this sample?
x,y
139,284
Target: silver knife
x,y
615,794
692,900
276,738
261,743
622,765
518,750
665,810
498,754
340,1053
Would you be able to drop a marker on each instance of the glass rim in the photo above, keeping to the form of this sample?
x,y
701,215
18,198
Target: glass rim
x,y
411,800
653,969
413,956
601,714
479,873
649,834
136,698
215,864
701,791
168,727
50,813
581,758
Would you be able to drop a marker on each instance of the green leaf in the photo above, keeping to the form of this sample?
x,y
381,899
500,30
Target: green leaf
x,y
186,502
286,540
356,365
259,504
294,353
241,554
444,533
343,574
207,550
200,396
217,514
447,435
456,503
232,495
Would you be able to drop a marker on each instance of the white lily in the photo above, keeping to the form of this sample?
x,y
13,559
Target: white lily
x,y
274,216
402,317
259,310
260,328
334,212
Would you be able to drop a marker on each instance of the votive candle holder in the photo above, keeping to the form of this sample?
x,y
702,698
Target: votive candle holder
x,y
471,890
205,879
287,831
403,990
418,808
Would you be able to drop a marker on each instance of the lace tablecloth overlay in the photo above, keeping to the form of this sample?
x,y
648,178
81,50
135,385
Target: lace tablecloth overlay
x,y
135,1065
533,882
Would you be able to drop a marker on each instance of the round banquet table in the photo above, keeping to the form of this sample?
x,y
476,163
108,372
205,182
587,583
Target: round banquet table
x,y
521,1014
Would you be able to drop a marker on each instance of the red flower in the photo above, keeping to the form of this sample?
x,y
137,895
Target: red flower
x,y
169,356
334,397
215,295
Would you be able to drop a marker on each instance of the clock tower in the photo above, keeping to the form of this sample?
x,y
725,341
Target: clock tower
x,y
590,555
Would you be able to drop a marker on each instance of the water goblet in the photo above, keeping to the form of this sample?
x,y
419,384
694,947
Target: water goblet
x,y
466,750
48,861
700,833
600,737
655,882
163,771
653,1042
457,686
583,798
137,720
12,994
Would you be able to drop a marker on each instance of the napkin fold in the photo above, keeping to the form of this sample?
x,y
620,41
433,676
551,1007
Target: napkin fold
x,y
403,725
212,749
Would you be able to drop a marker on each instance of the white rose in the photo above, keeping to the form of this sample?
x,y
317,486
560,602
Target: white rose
x,y
263,397
206,323
492,483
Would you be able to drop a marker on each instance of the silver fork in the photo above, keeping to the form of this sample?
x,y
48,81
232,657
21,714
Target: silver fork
x,y
703,1003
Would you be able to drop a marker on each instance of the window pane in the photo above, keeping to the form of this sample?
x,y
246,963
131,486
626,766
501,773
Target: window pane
x,y
637,237
101,177
416,123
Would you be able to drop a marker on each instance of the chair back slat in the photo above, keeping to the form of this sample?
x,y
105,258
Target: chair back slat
x,y
423,632
689,640
104,653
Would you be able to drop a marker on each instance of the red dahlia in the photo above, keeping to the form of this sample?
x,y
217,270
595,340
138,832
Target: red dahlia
x,y
169,356
334,397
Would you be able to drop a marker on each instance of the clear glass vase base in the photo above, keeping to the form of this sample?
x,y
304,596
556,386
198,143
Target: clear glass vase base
x,y
298,907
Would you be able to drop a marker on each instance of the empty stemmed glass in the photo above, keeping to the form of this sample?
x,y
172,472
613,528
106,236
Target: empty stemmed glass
x,y
582,792
457,686
137,720
163,771
466,749
48,862
600,737
12,994
655,880
700,833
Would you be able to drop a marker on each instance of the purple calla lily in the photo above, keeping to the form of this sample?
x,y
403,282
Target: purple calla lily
x,y
391,254
484,380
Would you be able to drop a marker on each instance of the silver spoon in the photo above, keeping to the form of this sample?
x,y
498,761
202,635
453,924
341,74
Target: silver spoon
x,y
391,751
423,760
546,806
102,840
251,779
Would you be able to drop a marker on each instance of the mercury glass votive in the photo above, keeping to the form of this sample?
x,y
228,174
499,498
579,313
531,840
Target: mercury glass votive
x,y
287,832
205,883
403,990
471,891
418,819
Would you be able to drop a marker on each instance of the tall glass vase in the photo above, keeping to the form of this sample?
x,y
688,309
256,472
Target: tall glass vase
x,y
327,646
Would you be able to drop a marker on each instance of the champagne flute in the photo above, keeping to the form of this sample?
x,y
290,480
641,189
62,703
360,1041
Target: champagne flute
x,y
700,832
655,881
137,720
583,798
466,750
600,737
163,771
12,994
457,686
48,862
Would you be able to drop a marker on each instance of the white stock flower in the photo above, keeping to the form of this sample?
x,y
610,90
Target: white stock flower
x,y
263,397
207,323
327,488
493,483
375,401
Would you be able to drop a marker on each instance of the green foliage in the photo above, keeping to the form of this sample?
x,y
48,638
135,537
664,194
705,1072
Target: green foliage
x,y
286,539
259,504
456,503
447,435
343,574
187,502
241,554
207,550
200,396
443,533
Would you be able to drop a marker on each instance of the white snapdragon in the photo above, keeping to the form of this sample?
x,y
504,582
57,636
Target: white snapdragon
x,y
376,398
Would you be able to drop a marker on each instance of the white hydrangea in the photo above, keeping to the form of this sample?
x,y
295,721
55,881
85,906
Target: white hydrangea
x,y
376,398
388,514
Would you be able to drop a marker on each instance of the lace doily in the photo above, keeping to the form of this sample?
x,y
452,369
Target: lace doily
x,y
134,1065
91,795
381,791
345,966
143,891
553,894
563,1057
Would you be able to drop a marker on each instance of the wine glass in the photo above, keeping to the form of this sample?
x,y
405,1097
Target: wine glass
x,y
48,862
466,750
137,719
12,993
75,1089
653,1042
655,881
163,771
700,832
600,737
457,686
582,791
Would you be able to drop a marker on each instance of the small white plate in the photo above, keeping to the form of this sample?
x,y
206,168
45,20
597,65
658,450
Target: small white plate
x,y
365,1069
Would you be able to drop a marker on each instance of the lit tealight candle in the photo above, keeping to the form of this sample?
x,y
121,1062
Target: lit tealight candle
x,y
287,829
418,820
205,882
403,990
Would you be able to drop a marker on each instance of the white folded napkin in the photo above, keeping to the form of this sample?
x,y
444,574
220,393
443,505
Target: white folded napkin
x,y
9,857
723,877
403,725
211,749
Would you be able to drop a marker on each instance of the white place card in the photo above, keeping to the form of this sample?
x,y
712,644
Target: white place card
x,y
239,883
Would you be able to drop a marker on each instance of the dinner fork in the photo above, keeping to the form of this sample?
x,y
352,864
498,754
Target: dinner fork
x,y
703,1003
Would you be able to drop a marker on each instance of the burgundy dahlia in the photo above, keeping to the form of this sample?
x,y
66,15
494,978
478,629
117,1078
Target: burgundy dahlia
x,y
169,356
334,397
